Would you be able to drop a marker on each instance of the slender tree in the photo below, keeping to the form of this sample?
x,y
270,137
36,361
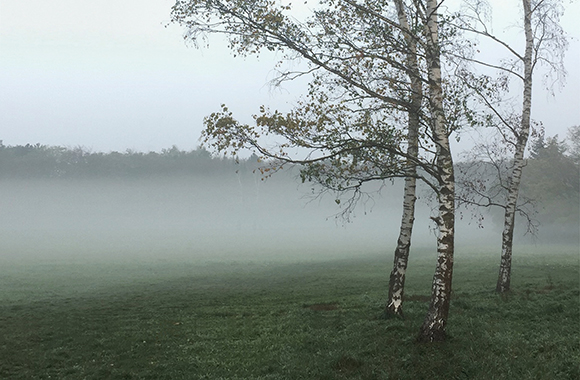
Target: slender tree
x,y
545,43
394,305
433,328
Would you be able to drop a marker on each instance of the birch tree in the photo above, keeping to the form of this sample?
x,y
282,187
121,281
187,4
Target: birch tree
x,y
357,122
545,43
433,328
394,305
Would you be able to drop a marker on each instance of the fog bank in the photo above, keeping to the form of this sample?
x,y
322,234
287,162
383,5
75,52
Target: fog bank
x,y
230,217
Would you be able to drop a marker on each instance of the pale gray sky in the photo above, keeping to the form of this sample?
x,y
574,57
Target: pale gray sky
x,y
108,75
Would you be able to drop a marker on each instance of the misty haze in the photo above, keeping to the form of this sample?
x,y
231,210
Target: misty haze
x,y
231,215
224,213
234,214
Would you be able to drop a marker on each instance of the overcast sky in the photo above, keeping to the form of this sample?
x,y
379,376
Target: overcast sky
x,y
109,75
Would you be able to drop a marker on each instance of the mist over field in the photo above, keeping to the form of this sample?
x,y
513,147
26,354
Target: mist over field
x,y
76,222
234,217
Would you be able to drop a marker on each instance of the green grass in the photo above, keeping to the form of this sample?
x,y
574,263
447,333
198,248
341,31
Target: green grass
x,y
178,319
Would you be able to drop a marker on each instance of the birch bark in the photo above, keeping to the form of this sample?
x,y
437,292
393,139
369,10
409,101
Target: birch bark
x,y
433,328
522,135
394,306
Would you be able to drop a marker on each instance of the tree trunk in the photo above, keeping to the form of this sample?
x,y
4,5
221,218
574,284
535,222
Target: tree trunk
x,y
394,305
522,135
433,328
505,266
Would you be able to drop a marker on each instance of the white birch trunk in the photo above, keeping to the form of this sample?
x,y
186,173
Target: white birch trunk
x,y
504,278
397,279
394,305
433,328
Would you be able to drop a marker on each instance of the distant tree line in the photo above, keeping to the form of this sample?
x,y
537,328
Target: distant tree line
x,y
550,188
552,179
42,161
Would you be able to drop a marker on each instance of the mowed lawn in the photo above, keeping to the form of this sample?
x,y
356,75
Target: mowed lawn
x,y
182,319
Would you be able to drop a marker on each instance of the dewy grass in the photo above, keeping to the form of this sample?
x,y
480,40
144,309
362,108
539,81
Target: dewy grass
x,y
315,320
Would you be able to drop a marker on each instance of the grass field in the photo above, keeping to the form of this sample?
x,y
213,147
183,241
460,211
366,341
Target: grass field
x,y
182,319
